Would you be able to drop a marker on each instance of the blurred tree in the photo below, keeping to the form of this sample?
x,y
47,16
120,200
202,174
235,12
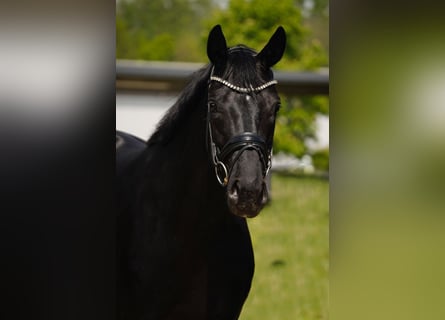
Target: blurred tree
x,y
251,22
296,123
316,19
159,29
320,160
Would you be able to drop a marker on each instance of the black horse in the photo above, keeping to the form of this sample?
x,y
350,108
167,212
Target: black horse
x,y
184,247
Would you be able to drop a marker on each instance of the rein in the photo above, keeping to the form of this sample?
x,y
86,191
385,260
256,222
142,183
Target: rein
x,y
240,143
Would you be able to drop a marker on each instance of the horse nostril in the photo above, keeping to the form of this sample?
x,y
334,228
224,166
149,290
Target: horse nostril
x,y
264,194
234,191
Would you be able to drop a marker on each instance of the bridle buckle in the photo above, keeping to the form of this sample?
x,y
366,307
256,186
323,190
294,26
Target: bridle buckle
x,y
222,181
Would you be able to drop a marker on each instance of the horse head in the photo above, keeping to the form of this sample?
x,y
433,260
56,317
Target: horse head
x,y
242,105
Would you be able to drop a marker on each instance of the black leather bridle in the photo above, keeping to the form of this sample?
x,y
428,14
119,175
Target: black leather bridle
x,y
240,143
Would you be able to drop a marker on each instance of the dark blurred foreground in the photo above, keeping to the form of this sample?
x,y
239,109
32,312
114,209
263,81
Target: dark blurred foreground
x,y
57,160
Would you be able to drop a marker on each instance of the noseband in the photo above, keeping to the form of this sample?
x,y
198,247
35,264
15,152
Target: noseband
x,y
240,143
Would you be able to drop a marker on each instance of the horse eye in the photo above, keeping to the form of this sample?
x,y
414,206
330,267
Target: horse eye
x,y
277,107
213,107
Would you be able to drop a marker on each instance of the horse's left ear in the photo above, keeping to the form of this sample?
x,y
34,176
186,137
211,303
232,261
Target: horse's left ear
x,y
274,49
217,46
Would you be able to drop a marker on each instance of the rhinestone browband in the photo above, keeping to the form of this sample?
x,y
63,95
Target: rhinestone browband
x,y
244,90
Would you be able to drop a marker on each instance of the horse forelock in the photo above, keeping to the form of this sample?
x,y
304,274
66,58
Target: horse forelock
x,y
242,68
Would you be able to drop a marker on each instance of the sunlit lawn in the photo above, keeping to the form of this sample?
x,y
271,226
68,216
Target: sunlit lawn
x,y
290,239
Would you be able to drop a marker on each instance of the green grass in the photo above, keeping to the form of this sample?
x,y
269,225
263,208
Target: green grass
x,y
291,244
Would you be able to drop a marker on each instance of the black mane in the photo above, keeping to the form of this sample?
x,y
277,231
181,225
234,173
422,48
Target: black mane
x,y
190,98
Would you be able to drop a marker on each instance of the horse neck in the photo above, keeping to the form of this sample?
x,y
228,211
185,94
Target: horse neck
x,y
179,172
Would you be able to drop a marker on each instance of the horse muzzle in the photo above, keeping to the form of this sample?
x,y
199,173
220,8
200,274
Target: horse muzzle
x,y
246,200
246,190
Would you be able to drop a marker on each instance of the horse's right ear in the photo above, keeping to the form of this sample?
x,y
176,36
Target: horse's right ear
x,y
274,49
216,46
